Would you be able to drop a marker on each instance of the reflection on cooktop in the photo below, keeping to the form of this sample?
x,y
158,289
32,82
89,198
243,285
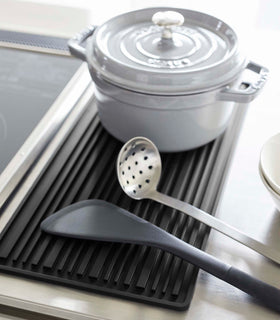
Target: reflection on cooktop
x,y
3,129
29,84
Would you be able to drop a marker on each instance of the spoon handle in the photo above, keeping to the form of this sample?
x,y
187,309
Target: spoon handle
x,y
265,293
217,224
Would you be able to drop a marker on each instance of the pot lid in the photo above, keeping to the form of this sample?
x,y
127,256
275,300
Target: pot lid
x,y
165,51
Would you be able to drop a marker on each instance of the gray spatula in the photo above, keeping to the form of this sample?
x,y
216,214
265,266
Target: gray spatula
x,y
102,221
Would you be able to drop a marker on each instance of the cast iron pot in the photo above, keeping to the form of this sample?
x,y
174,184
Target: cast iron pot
x,y
171,75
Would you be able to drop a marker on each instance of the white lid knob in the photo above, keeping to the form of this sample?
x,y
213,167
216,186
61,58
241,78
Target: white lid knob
x,y
167,19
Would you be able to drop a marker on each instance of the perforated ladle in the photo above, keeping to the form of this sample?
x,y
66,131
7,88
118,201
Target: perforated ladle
x,y
139,171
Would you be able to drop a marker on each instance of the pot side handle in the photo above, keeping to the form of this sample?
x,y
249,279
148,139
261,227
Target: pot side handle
x,y
246,92
75,44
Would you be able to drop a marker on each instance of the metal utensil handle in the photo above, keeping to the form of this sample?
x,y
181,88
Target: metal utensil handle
x,y
246,91
74,44
217,224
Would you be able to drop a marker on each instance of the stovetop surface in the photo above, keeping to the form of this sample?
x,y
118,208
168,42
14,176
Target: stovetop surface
x,y
29,84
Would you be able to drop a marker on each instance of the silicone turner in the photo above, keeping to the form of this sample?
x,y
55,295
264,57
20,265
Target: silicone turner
x,y
103,221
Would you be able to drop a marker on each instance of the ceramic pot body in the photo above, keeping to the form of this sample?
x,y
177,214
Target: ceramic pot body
x,y
171,81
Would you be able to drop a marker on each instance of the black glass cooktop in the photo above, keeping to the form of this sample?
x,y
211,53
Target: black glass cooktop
x,y
29,84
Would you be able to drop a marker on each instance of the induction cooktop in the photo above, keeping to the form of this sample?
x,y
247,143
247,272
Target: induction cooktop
x,y
29,84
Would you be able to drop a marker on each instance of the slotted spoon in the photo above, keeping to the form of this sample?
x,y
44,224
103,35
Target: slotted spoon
x,y
139,171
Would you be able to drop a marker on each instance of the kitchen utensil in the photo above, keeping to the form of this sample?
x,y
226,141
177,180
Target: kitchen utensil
x,y
174,77
102,221
270,162
275,196
139,170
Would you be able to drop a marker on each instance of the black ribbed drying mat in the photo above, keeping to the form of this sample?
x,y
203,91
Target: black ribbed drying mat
x,y
84,168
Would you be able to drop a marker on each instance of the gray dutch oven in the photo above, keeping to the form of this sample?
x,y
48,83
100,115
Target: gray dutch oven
x,y
171,75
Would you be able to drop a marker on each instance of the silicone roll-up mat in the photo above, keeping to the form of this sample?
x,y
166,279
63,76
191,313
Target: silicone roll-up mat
x,y
84,168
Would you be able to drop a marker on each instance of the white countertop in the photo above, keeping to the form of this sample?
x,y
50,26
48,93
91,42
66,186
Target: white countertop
x,y
245,203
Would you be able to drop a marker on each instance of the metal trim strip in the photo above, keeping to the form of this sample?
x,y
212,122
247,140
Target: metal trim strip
x,y
44,141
